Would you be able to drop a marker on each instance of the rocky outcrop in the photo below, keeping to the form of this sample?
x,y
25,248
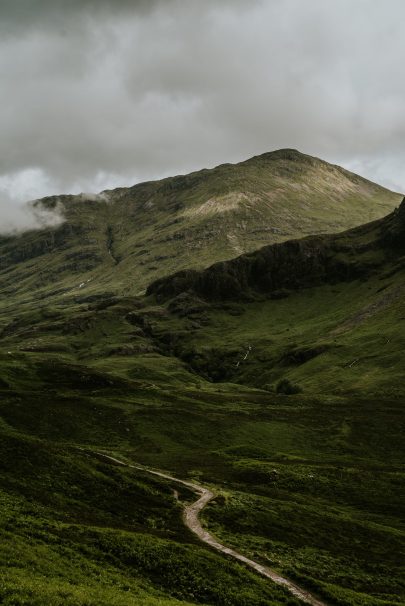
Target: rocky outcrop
x,y
292,265
273,269
393,228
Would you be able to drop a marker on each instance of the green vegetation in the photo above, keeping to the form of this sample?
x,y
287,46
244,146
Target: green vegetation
x,y
324,313
118,242
313,487
287,388
274,378
75,530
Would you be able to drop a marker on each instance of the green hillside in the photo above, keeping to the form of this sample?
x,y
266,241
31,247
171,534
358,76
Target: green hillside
x,y
274,378
325,310
121,240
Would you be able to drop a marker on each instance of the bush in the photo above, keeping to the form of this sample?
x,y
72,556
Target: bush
x,y
286,387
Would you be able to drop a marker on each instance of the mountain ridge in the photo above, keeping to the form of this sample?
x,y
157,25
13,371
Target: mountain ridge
x,y
123,239
310,261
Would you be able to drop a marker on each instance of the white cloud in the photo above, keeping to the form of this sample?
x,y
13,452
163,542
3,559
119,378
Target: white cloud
x,y
18,188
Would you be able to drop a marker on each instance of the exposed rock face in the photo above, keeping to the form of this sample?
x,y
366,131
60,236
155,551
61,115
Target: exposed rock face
x,y
292,265
394,228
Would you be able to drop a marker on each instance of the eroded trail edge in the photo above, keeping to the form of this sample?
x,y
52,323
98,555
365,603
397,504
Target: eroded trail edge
x,y
190,517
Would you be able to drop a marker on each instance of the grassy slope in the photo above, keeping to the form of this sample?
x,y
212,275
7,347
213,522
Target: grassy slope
x,y
76,531
122,240
312,483
325,311
313,486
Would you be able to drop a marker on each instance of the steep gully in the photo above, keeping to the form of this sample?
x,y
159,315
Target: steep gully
x,y
190,517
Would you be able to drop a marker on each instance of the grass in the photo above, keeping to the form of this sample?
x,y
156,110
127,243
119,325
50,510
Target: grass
x,y
75,530
309,483
313,487
120,242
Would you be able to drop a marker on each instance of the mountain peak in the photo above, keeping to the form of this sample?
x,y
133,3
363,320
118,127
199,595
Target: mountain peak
x,y
286,153
188,222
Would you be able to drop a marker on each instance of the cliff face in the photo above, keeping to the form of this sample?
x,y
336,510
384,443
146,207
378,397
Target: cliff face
x,y
393,229
274,270
294,264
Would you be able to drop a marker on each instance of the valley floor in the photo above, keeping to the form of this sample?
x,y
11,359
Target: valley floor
x,y
312,488
190,517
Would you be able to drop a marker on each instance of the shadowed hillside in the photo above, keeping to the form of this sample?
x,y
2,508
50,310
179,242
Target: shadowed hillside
x,y
296,264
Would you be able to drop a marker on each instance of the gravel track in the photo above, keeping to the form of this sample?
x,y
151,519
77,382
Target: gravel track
x,y
191,520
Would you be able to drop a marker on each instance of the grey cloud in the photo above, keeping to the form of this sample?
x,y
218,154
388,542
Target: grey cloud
x,y
100,93
42,13
17,15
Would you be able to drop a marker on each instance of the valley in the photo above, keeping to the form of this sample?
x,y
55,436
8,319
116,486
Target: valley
x,y
265,367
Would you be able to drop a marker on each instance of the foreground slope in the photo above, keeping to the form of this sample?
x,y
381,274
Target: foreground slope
x,y
120,240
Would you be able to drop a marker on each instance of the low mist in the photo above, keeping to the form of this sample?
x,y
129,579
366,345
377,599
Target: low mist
x,y
19,216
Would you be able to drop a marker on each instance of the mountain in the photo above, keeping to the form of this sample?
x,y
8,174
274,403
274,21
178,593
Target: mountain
x,y
297,264
121,240
323,310
275,378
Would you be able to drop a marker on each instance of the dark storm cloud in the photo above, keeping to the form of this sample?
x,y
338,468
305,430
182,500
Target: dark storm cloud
x,y
97,93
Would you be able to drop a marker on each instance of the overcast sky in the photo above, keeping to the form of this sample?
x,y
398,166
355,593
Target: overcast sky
x,y
100,93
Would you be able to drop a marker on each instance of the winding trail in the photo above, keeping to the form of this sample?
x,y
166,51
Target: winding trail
x,y
190,517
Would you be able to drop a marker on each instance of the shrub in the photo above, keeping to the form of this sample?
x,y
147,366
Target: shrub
x,y
286,387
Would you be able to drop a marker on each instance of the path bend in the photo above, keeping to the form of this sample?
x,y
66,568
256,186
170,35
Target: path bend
x,y
191,520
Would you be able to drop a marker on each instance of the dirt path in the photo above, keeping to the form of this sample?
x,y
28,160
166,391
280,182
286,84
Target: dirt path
x,y
190,517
